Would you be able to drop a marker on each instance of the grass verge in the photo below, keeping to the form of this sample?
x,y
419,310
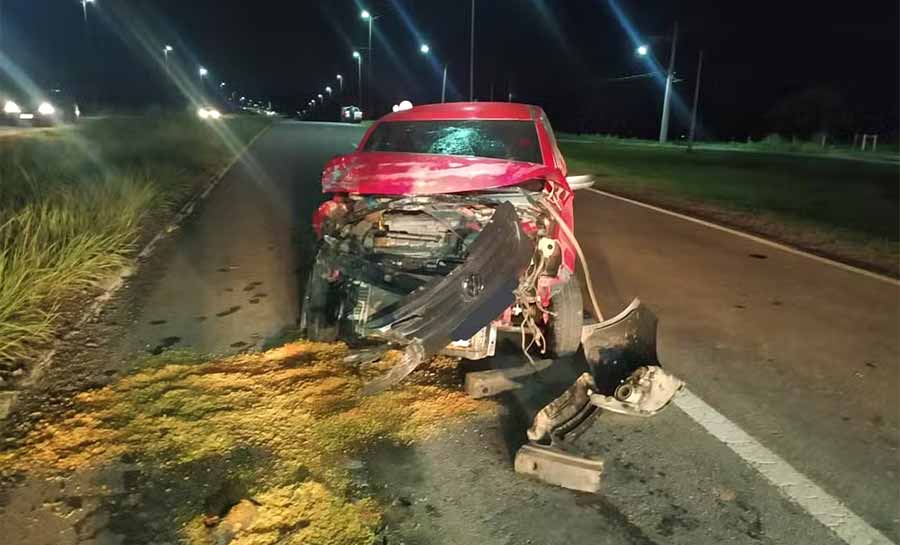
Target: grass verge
x,y
279,433
73,203
848,210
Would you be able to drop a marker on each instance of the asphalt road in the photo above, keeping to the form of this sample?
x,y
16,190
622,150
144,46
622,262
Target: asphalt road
x,y
801,355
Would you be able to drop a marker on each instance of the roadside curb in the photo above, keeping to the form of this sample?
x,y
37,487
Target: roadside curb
x,y
111,284
756,238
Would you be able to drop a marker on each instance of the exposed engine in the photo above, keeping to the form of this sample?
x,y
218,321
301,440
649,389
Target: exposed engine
x,y
380,250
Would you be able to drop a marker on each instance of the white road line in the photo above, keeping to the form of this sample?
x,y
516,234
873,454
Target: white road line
x,y
823,507
760,240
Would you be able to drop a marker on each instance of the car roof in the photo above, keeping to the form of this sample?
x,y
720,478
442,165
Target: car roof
x,y
465,111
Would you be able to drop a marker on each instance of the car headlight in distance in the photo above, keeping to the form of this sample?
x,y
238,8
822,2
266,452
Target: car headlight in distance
x,y
11,107
214,113
203,113
46,109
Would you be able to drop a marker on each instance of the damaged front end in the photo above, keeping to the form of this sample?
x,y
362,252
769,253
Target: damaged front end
x,y
430,273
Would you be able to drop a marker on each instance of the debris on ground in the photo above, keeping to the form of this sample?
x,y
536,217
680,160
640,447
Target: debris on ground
x,y
280,429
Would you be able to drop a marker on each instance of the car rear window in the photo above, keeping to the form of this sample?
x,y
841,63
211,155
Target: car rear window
x,y
510,140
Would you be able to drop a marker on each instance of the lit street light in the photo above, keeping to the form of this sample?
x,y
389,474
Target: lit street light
x,y
166,50
425,50
84,4
321,98
366,15
340,79
328,89
642,50
222,84
358,57
203,72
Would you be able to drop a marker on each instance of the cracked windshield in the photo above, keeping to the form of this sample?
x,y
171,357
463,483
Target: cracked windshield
x,y
408,272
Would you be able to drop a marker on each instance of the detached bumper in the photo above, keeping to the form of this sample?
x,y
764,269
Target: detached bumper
x,y
457,306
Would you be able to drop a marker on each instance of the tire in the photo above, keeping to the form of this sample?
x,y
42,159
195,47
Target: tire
x,y
564,331
317,317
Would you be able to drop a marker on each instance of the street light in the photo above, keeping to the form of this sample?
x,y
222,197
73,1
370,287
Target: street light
x,y
366,15
425,50
84,4
321,98
166,50
328,89
642,50
203,72
340,79
358,57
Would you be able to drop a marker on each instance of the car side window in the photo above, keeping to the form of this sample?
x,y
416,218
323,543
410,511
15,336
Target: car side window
x,y
558,158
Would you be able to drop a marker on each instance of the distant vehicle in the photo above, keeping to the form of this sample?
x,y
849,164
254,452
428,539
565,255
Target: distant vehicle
x,y
351,114
47,109
209,112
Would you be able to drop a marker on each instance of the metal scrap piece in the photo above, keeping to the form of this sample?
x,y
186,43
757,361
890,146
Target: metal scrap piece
x,y
645,393
559,468
413,356
564,414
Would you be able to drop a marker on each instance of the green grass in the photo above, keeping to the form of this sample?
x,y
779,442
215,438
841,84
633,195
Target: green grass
x,y
73,203
857,202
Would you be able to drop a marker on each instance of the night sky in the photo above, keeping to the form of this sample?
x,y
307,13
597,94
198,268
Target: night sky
x,y
759,56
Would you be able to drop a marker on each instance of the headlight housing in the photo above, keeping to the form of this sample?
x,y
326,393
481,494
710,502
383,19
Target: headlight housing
x,y
46,109
11,107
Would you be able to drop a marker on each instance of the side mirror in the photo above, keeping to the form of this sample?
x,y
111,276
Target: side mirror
x,y
580,182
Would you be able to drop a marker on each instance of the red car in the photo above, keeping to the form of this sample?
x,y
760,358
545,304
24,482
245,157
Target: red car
x,y
449,223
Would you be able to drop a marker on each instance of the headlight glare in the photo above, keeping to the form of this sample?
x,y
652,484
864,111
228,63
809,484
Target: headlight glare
x,y
46,109
11,107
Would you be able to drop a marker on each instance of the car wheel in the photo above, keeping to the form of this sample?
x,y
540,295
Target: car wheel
x,y
318,318
563,333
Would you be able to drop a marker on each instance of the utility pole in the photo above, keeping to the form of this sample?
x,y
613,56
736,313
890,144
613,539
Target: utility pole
x,y
696,102
472,55
664,123
444,86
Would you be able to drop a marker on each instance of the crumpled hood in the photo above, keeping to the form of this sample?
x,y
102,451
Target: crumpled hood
x,y
389,173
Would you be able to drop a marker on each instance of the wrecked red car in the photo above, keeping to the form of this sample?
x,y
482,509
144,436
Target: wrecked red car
x,y
448,225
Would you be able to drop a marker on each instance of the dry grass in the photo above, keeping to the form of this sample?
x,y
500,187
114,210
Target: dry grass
x,y
73,203
297,409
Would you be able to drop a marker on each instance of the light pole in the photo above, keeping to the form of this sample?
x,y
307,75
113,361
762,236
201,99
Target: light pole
x,y
202,72
664,122
366,15
84,4
340,79
328,89
358,56
696,101
472,56
425,50
166,50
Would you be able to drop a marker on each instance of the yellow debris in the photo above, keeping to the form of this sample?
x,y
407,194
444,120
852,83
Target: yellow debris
x,y
299,405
